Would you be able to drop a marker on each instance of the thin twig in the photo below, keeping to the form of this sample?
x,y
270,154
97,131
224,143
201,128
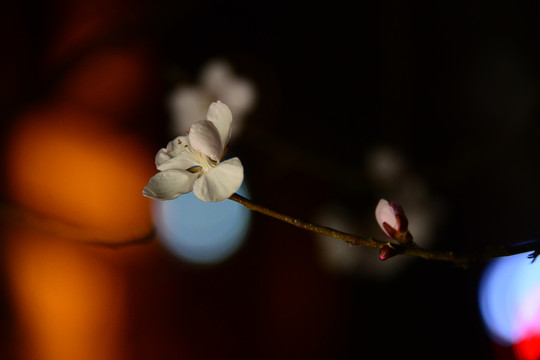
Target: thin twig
x,y
348,238
406,249
12,215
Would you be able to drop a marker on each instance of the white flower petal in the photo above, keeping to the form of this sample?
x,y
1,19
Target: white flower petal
x,y
384,213
169,184
221,116
174,148
204,137
221,182
181,162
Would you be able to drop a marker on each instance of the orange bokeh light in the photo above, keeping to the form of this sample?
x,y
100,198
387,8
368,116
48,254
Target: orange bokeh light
x,y
114,82
74,171
70,168
67,165
68,299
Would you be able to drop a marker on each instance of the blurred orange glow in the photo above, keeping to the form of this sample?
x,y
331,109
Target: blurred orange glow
x,y
111,81
68,299
73,172
66,164
77,23
71,167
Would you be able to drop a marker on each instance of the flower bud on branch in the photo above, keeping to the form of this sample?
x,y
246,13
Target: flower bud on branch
x,y
194,163
388,251
392,220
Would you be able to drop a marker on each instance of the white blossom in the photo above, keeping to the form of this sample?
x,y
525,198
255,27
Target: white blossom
x,y
193,162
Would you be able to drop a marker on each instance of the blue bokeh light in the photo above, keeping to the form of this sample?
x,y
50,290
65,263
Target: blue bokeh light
x,y
202,232
504,293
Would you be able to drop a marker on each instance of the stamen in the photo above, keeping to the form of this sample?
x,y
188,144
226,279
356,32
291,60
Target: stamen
x,y
194,169
205,163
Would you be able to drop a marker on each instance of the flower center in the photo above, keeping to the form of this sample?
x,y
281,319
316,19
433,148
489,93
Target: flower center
x,y
205,163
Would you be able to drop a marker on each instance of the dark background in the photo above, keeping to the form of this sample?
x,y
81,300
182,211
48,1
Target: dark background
x,y
453,87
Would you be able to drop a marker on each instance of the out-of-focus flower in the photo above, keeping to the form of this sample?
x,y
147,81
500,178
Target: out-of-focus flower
x,y
392,220
385,165
217,81
193,162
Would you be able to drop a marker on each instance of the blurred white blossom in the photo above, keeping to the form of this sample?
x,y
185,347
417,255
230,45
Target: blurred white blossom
x,y
385,165
188,102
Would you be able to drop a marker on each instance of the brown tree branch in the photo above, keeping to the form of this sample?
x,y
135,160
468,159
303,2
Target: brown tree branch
x,y
13,216
412,248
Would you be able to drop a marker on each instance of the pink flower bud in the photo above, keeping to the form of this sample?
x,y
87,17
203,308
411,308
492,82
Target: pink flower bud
x,y
392,220
387,251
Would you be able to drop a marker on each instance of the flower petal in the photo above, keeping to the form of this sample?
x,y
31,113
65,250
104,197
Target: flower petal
x,y
169,184
181,162
221,182
221,116
174,148
384,213
204,137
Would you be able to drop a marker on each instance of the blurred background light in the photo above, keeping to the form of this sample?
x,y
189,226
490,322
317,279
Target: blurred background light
x,y
218,81
509,299
202,232
69,300
68,165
